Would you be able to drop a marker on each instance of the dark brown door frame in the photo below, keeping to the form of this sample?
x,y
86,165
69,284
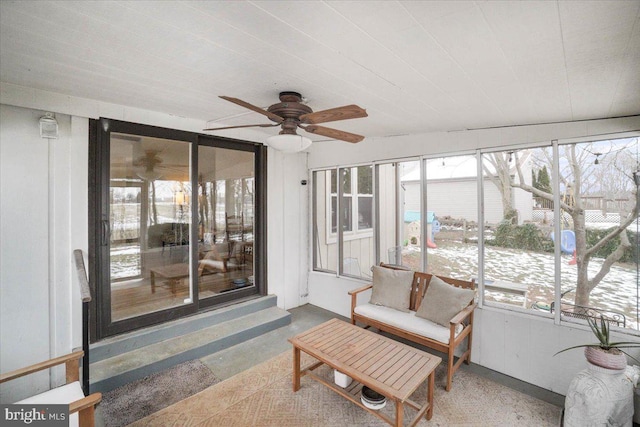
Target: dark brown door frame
x,y
99,161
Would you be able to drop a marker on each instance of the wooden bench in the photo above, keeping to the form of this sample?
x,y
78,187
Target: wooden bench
x,y
460,326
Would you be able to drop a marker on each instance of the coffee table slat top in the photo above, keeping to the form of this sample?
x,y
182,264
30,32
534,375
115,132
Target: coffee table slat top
x,y
390,367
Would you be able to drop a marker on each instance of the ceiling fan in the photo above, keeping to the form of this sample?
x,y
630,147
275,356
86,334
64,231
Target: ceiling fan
x,y
149,162
290,114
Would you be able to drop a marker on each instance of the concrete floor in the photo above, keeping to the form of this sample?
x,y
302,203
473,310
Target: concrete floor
x,y
235,359
228,362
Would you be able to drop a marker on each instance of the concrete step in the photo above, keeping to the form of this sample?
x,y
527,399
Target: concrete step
x,y
124,343
123,368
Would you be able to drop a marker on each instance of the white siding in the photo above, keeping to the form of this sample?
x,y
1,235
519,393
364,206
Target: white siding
x,y
458,199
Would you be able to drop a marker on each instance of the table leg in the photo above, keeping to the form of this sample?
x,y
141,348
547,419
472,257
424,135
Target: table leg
x,y
173,285
432,381
153,282
399,413
296,369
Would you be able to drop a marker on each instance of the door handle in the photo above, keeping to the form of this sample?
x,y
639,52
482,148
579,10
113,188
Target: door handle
x,y
105,232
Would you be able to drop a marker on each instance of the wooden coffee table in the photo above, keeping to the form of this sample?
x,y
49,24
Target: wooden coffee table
x,y
387,366
172,272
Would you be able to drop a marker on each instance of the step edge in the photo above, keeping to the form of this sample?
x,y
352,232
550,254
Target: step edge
x,y
277,316
156,333
191,354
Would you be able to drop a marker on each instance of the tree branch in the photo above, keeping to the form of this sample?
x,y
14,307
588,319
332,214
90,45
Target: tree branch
x,y
610,260
535,191
631,217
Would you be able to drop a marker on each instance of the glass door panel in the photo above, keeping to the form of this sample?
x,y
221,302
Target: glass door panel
x,y
226,199
149,217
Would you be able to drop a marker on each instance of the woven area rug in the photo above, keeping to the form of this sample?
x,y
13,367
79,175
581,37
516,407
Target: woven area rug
x,y
136,400
263,396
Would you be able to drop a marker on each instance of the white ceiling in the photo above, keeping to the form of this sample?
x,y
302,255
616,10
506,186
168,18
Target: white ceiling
x,y
415,66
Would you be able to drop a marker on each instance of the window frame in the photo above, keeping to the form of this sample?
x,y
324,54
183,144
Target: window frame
x,y
355,232
478,153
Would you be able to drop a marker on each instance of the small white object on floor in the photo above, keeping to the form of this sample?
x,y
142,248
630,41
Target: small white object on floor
x,y
341,379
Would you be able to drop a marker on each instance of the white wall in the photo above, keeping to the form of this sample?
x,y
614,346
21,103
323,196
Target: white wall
x,y
287,227
517,344
43,197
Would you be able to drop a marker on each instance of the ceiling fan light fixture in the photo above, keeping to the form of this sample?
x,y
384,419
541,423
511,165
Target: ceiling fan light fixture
x,y
149,175
288,143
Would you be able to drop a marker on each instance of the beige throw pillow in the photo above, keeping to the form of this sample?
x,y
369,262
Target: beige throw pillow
x,y
442,301
391,288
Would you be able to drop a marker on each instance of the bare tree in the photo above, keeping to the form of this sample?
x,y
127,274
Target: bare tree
x,y
577,172
500,176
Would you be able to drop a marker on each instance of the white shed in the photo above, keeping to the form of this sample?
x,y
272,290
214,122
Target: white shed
x,y
452,190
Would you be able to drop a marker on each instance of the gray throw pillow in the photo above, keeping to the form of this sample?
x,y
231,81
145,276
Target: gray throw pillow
x,y
442,301
391,288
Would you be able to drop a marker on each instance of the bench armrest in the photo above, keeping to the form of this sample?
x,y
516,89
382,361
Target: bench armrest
x,y
71,360
362,289
459,318
354,298
87,402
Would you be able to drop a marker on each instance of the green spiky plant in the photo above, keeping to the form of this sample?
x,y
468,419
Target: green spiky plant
x,y
602,333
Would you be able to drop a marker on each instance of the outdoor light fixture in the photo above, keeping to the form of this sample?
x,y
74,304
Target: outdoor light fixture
x,y
636,177
48,126
596,161
288,143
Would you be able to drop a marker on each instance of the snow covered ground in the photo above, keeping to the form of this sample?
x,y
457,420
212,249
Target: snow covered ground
x,y
618,290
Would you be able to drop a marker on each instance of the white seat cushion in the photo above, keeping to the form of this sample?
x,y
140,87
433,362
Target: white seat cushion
x,y
406,321
65,394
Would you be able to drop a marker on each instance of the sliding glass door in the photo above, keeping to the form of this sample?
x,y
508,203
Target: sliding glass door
x,y
174,222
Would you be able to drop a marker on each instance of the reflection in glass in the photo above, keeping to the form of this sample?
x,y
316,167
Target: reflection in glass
x,y
149,216
226,197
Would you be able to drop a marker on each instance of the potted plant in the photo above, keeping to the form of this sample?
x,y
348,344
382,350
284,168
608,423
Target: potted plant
x,y
606,354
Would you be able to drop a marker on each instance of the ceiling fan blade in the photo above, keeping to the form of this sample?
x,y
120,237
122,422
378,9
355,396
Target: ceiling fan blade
x,y
274,117
245,126
334,114
333,133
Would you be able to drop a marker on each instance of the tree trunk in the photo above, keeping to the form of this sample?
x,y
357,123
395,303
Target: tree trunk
x,y
582,284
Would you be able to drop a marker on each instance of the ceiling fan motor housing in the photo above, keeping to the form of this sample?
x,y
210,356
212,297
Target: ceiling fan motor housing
x,y
290,109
